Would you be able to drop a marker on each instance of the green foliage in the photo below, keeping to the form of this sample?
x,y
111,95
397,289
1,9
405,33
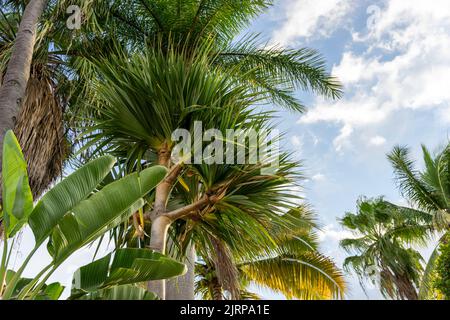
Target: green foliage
x,y
442,281
293,267
102,278
72,215
66,195
428,190
16,192
47,292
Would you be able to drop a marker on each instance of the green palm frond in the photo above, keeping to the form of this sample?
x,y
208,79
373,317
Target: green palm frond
x,y
280,71
381,249
307,276
410,183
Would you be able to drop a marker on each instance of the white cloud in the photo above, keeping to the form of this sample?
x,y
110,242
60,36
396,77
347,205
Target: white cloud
x,y
308,18
319,177
296,141
334,234
405,66
377,141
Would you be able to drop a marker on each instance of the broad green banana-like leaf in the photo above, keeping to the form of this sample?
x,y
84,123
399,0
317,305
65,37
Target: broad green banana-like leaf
x,y
48,292
129,266
102,211
61,199
17,196
125,292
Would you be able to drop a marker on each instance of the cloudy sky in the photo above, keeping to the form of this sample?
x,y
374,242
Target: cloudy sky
x,y
393,58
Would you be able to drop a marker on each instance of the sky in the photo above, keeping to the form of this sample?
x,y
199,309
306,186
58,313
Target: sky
x,y
393,58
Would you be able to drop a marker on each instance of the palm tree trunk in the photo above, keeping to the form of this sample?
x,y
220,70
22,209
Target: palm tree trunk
x,y
158,238
182,288
216,289
12,91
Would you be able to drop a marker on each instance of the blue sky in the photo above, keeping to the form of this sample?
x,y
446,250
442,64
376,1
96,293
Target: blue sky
x,y
393,57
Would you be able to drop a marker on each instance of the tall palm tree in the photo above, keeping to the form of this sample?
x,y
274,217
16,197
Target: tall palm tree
x,y
384,234
429,189
16,75
293,268
39,125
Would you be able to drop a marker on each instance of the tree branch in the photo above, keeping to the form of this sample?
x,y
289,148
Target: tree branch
x,y
185,211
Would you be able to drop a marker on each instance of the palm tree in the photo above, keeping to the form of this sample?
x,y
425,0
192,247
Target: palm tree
x,y
429,191
70,216
293,268
270,72
17,73
384,234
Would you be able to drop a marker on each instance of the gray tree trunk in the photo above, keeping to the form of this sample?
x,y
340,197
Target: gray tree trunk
x,y
12,91
182,288
158,239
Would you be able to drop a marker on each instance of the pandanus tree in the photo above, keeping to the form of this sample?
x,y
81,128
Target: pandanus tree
x,y
294,267
272,73
143,100
382,246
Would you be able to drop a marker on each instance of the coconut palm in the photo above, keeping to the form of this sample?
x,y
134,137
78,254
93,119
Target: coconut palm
x,y
293,268
382,249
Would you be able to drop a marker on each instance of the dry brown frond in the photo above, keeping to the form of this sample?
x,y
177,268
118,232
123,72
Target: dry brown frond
x,y
40,132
